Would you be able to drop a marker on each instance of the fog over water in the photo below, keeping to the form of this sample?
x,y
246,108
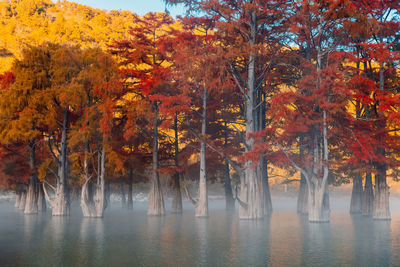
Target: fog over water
x,y
131,238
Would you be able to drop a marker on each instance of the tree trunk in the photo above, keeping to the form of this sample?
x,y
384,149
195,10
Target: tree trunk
x,y
22,201
156,200
107,193
229,200
123,196
41,201
176,194
87,203
100,197
267,193
61,204
201,209
318,193
252,190
94,206
129,204
302,199
176,187
356,195
381,209
18,194
31,206
31,196
368,196
318,202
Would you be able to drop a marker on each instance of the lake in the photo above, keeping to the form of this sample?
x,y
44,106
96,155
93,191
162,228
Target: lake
x,y
131,238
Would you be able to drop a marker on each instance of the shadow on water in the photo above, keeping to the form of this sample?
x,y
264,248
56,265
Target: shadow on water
x,y
254,237
91,242
317,245
372,242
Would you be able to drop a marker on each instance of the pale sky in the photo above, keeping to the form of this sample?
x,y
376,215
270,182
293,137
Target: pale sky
x,y
139,7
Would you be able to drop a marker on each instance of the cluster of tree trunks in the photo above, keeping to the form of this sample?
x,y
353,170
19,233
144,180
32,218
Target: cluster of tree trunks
x,y
60,205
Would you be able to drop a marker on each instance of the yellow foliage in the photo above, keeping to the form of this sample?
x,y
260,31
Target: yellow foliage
x,y
34,22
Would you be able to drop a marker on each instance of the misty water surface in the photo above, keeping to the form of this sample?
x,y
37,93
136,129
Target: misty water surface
x,y
124,238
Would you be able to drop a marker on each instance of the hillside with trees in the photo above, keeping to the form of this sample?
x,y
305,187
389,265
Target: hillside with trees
x,y
34,22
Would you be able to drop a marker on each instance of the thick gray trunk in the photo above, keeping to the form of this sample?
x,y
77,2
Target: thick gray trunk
x,y
41,202
267,193
87,203
318,193
60,205
17,198
156,199
381,210
22,200
368,196
31,196
176,194
31,206
201,208
356,195
95,207
123,195
318,202
252,188
302,199
129,204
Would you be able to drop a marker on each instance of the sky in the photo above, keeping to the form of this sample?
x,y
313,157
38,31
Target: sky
x,y
139,7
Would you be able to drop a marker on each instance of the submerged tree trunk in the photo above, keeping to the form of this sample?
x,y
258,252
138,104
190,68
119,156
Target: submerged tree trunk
x,y
60,205
176,194
176,186
156,199
267,193
123,196
356,195
229,200
18,194
381,210
31,196
41,201
100,197
368,196
129,204
93,205
201,209
31,205
22,200
302,199
318,202
252,189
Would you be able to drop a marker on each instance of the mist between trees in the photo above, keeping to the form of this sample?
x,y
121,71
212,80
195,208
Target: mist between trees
x,y
223,95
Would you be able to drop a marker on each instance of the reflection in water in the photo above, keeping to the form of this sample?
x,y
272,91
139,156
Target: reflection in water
x,y
316,249
92,241
134,239
201,228
373,237
153,248
254,237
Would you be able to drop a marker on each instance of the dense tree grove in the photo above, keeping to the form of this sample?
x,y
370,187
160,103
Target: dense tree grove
x,y
222,94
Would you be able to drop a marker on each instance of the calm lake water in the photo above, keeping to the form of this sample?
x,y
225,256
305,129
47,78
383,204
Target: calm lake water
x,y
125,238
